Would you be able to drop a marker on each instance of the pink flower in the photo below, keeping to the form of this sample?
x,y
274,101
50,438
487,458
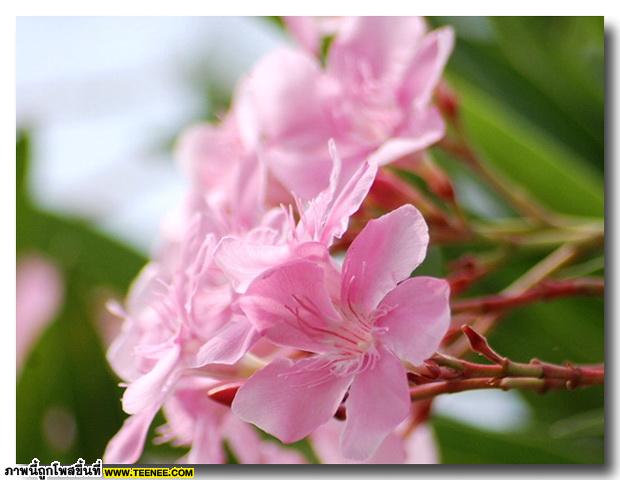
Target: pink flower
x,y
226,175
39,294
177,323
373,98
416,447
308,31
358,323
322,219
193,419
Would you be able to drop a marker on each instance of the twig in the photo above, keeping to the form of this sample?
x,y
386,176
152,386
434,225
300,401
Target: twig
x,y
514,194
538,273
446,374
545,291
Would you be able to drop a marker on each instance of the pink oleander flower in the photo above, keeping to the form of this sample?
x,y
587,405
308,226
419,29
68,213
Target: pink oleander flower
x,y
373,98
358,324
180,312
196,421
399,447
178,321
321,220
228,177
309,31
39,294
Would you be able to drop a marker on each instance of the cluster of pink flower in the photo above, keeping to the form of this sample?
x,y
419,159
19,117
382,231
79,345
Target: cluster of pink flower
x,y
248,299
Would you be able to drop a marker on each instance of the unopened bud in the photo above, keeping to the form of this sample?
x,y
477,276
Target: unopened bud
x,y
447,102
224,394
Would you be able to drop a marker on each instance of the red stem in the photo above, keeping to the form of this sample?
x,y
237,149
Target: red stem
x,y
545,291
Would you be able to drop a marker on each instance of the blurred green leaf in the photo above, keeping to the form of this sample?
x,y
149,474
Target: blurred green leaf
x,y
537,67
462,444
518,149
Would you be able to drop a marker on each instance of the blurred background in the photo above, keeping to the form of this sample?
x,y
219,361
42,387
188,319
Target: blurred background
x,y
100,101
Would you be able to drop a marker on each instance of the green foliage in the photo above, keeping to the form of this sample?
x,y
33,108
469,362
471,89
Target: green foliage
x,y
463,444
67,368
531,92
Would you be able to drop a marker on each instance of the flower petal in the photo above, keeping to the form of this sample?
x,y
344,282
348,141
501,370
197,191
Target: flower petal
x,y
151,386
274,454
128,443
326,444
383,254
274,107
291,305
374,48
290,399
327,216
418,317
242,260
250,448
243,439
229,343
207,442
426,68
421,447
301,164
378,401
421,129
305,30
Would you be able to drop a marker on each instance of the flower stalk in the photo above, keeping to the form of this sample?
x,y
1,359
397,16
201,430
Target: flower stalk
x,y
547,290
447,374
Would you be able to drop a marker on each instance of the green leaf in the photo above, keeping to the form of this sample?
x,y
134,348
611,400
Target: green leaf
x,y
462,444
518,149
502,56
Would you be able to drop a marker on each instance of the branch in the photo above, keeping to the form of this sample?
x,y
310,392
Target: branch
x,y
547,290
446,374
519,198
530,279
540,385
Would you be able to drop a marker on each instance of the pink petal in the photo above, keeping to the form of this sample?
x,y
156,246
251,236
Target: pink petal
x,y
378,401
286,119
374,48
391,451
229,343
421,447
291,305
247,196
142,294
249,448
326,444
418,317
290,399
421,130
127,445
426,68
242,260
348,201
302,165
39,294
306,32
151,386
281,98
276,455
383,254
243,439
207,442
327,216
